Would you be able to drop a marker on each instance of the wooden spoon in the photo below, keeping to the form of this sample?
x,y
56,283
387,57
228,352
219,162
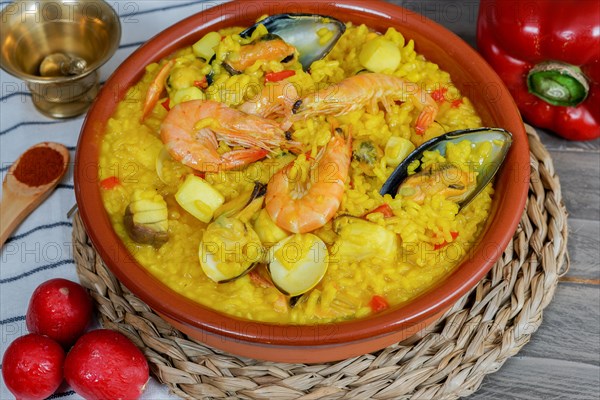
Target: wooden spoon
x,y
20,198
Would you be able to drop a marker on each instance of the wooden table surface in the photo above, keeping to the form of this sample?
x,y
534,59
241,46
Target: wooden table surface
x,y
562,359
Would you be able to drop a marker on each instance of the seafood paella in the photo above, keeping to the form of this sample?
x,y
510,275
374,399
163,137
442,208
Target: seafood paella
x,y
245,171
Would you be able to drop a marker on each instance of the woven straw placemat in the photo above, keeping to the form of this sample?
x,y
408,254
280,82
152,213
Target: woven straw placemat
x,y
448,361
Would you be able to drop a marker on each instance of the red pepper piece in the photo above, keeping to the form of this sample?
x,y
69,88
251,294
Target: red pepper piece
x,y
279,76
378,303
200,174
110,183
202,83
165,104
439,95
440,245
385,209
543,51
456,103
444,243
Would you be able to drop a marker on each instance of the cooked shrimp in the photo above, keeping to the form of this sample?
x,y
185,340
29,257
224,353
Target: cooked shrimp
x,y
192,129
275,100
156,88
271,50
368,89
302,205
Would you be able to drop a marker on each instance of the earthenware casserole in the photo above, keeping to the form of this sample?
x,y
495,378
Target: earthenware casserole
x,y
291,343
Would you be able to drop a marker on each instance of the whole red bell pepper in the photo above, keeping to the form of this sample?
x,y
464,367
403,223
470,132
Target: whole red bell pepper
x,y
547,53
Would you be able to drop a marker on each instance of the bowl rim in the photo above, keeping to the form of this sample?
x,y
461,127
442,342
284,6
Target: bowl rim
x,y
175,306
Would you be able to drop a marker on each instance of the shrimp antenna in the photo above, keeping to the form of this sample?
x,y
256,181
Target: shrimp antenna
x,y
442,125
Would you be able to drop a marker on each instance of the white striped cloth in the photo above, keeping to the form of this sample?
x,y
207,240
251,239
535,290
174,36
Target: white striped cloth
x,y
40,248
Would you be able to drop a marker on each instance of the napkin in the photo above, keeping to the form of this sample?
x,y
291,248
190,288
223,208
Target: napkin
x,y
40,248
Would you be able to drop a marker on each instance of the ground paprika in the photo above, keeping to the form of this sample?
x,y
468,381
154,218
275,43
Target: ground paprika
x,y
39,166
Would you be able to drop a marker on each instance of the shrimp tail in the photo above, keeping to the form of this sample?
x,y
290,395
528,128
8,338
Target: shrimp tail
x,y
293,147
425,118
238,158
156,88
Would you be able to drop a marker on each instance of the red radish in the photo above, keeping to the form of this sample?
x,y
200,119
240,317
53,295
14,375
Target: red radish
x,y
104,364
32,367
59,309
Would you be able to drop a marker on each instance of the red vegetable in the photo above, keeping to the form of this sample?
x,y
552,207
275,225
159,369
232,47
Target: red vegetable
x,y
110,183
279,76
385,209
104,364
59,309
32,367
444,243
456,103
548,54
439,95
202,83
378,303
165,104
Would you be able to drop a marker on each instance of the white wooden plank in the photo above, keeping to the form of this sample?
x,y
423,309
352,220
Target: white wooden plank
x,y
529,378
571,326
578,174
458,16
584,249
555,142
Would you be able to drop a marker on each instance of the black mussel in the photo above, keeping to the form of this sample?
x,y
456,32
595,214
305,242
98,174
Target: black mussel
x,y
269,46
210,77
462,187
232,71
312,35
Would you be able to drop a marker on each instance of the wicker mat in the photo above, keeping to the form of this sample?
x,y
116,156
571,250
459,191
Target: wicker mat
x,y
448,361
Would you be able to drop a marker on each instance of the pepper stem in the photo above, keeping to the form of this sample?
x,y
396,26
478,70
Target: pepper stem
x,y
558,83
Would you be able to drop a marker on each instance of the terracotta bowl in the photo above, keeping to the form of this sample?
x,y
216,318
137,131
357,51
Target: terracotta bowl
x,y
290,343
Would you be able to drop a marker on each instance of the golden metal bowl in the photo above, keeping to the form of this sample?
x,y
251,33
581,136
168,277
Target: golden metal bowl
x,y
56,47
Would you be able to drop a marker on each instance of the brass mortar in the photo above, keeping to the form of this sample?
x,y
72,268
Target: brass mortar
x,y
81,34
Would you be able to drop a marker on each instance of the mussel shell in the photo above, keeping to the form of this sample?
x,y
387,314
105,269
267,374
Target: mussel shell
x,y
269,36
210,77
230,70
300,30
501,139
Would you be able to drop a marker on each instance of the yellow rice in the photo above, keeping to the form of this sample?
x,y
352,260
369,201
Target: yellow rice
x,y
433,236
